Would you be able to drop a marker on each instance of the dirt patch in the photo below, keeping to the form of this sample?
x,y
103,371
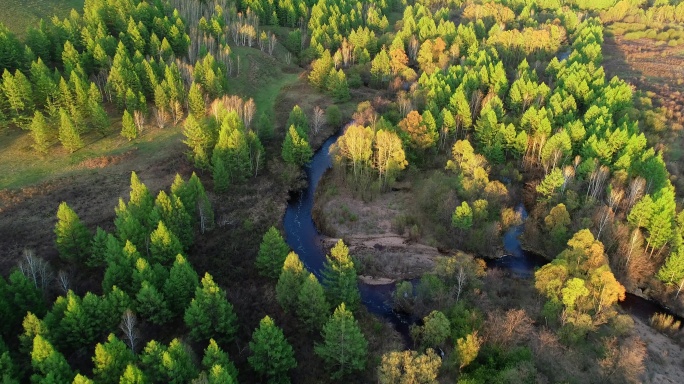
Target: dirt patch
x,y
103,161
381,253
664,364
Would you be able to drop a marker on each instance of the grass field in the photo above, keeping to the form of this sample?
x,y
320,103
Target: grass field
x,y
17,15
20,165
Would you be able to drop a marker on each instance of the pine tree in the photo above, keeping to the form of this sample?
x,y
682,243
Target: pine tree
x,y
219,174
210,315
215,356
133,375
381,69
120,266
337,85
68,134
73,238
344,349
171,211
98,248
99,118
111,360
296,149
181,285
271,355
312,307
320,70
298,118
340,278
199,140
290,282
272,253
164,245
40,131
151,305
129,227
196,105
128,128
18,94
49,365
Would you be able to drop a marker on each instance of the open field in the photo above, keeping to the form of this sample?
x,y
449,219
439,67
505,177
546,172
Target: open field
x,y
18,14
657,69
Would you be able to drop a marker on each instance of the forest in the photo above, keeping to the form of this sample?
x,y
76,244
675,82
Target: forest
x,y
220,191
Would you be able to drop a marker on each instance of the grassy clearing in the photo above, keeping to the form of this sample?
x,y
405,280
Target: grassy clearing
x,y
261,76
17,15
20,165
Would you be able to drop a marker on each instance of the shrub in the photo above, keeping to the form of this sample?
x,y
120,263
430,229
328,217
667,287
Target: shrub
x,y
665,323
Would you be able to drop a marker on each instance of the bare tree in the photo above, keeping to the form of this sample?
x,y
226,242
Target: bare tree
x,y
413,48
461,278
139,119
36,269
161,117
636,189
63,281
129,328
271,43
249,109
176,112
318,118
596,181
614,199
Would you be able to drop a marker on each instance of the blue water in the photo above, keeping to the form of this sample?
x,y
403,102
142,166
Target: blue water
x,y
304,238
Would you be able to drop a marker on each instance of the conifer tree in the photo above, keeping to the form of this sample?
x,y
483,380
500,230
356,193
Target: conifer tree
x,y
129,227
128,128
298,118
210,315
111,359
272,253
181,285
220,174
215,356
340,278
73,238
296,149
199,140
68,134
18,94
290,282
337,85
170,210
344,349
196,105
164,245
49,365
312,307
271,355
98,248
40,131
120,266
133,375
151,305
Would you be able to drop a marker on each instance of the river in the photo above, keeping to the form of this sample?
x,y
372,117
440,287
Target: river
x,y
304,238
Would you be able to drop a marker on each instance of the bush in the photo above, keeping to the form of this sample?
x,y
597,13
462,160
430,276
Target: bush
x,y
665,323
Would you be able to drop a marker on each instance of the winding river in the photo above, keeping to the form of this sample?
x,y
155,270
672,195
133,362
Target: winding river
x,y
304,238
